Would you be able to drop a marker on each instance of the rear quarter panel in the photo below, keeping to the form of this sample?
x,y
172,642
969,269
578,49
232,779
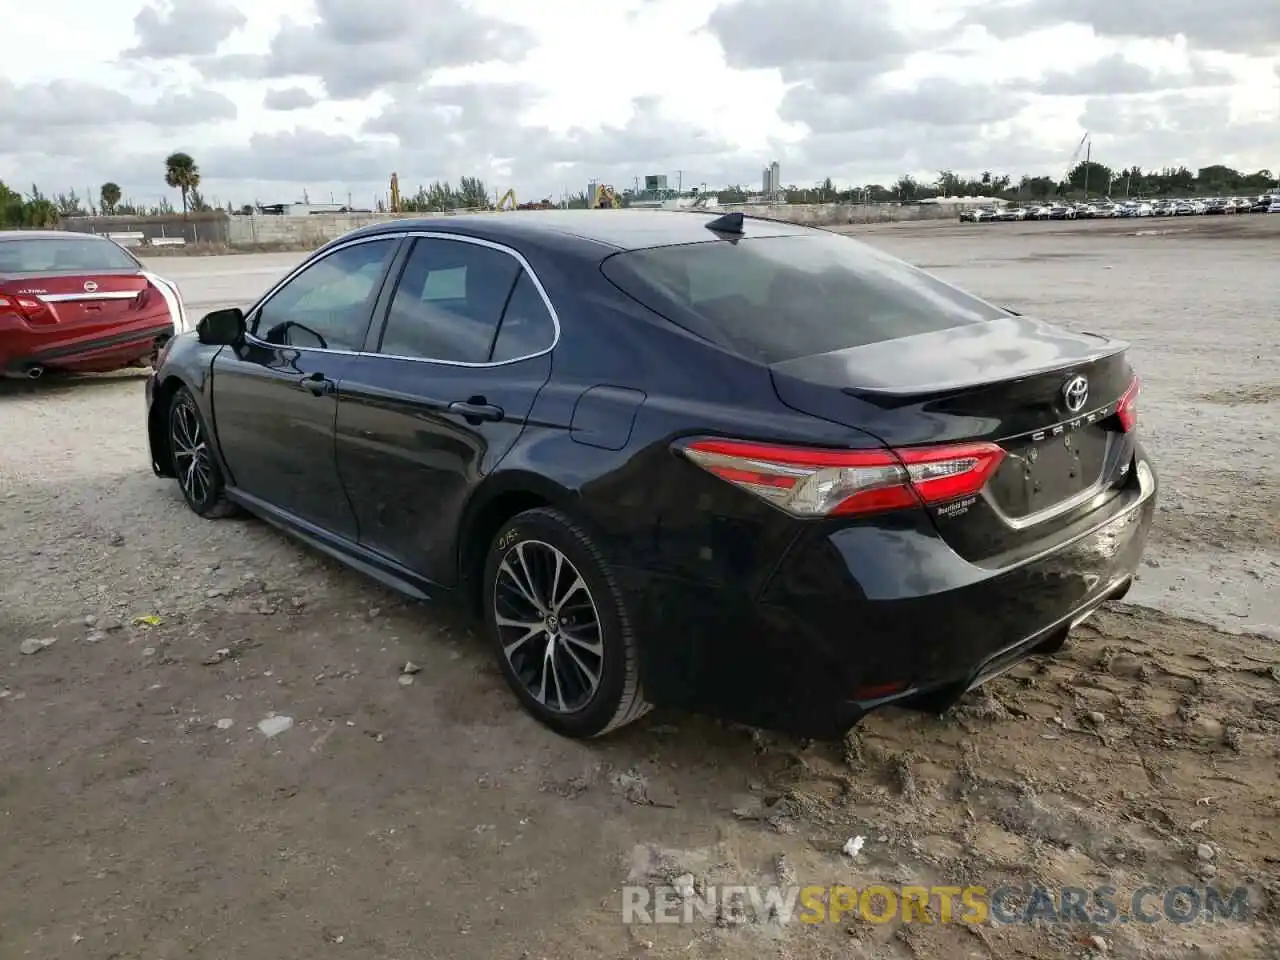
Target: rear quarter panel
x,y
649,507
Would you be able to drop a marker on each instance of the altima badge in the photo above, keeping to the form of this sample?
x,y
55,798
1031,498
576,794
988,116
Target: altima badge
x,y
1075,394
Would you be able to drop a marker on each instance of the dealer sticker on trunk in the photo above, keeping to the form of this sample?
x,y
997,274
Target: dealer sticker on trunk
x,y
955,508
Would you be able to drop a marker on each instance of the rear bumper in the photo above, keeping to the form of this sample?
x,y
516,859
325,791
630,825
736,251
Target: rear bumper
x,y
872,616
54,350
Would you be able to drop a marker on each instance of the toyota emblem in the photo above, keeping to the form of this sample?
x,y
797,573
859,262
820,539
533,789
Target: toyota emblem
x,y
1075,394
90,286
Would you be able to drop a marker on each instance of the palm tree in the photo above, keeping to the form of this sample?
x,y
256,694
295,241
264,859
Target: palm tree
x,y
110,196
181,172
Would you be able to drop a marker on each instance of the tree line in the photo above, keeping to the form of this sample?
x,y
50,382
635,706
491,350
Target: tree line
x,y
35,209
1087,177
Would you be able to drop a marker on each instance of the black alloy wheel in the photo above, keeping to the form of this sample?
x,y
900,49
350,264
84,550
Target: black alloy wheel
x,y
560,626
199,477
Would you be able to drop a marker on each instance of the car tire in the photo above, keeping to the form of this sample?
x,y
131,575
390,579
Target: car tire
x,y
194,465
557,621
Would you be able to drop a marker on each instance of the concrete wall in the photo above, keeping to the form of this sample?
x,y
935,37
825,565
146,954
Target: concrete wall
x,y
314,229
309,230
195,228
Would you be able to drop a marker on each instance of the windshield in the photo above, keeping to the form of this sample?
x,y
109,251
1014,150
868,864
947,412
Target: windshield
x,y
778,298
62,255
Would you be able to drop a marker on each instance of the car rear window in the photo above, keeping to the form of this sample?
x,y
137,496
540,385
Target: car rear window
x,y
774,299
62,255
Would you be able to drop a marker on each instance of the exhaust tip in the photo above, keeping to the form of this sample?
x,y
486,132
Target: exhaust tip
x,y
35,373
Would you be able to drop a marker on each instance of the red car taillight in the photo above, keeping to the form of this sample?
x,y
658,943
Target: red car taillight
x,y
809,482
31,309
1127,408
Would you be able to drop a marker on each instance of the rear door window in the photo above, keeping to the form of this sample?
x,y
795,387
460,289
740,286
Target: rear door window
x,y
527,326
449,301
774,299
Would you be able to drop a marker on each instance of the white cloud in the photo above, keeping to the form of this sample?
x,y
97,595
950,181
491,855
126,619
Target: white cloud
x,y
331,96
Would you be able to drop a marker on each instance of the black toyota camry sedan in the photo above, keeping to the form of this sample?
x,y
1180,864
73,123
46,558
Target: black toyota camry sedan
x,y
669,458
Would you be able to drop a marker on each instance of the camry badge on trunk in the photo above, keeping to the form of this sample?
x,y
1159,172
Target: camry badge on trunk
x,y
90,286
1075,393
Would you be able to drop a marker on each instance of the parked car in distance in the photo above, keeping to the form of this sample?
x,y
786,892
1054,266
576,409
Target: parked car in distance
x,y
1274,206
79,303
980,214
672,458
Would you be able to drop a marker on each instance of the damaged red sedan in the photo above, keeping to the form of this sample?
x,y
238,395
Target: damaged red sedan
x,y
79,303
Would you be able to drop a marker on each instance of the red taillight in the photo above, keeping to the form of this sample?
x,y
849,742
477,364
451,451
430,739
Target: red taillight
x,y
809,482
1127,408
32,309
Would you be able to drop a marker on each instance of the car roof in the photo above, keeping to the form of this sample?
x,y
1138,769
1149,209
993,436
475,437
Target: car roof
x,y
615,229
46,235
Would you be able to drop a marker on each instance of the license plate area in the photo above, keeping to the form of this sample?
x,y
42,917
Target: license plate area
x,y
92,311
1039,474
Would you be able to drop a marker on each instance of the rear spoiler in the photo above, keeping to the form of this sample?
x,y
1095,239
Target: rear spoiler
x,y
939,366
739,217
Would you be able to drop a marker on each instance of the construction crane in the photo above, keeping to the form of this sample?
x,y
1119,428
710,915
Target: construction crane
x,y
603,197
507,201
1075,157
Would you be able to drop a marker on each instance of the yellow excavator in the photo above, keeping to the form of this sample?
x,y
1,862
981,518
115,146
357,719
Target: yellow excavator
x,y
507,201
604,198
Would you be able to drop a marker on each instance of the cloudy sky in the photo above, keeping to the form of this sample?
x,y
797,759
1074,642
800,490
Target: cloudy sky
x,y
332,95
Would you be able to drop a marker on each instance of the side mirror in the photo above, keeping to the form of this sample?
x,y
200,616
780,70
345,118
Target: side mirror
x,y
221,327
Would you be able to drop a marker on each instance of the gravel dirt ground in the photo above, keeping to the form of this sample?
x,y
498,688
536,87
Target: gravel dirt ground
x,y
402,816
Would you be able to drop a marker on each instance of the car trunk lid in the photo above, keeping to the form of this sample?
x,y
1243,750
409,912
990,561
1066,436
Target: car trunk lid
x,y
70,299
1048,397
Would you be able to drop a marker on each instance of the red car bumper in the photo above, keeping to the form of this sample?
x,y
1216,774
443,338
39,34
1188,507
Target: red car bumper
x,y
94,349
